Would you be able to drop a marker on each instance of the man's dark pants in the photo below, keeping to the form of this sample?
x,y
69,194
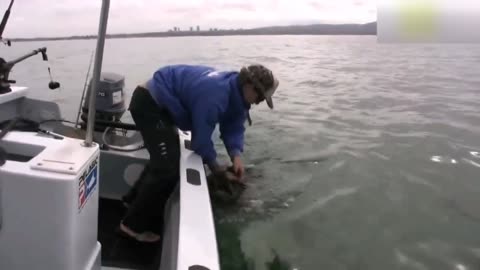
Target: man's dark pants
x,y
148,196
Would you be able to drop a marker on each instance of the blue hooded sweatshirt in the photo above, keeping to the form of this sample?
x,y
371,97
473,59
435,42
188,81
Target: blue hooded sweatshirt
x,y
199,97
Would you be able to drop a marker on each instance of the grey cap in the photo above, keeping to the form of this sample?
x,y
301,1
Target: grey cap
x,y
263,79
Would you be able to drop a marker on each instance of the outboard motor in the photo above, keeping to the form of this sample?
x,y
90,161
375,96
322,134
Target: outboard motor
x,y
110,102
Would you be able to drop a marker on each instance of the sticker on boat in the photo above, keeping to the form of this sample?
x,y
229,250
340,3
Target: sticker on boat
x,y
86,184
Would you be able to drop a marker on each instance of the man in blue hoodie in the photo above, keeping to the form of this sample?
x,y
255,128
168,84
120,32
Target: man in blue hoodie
x,y
196,99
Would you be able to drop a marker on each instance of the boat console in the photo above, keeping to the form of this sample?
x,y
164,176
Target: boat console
x,y
48,199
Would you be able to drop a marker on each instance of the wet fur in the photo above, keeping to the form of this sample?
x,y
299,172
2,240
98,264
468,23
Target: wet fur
x,y
224,188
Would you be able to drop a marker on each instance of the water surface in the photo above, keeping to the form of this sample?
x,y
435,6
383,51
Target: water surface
x,y
369,160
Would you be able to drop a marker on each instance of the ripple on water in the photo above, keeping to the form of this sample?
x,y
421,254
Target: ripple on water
x,y
323,201
316,84
447,159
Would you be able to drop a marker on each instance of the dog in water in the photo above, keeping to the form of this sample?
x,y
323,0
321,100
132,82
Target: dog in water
x,y
225,188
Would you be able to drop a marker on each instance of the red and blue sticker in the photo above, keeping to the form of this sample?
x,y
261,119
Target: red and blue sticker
x,y
87,184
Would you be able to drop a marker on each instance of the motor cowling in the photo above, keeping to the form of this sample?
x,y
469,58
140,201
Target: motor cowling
x,y
110,101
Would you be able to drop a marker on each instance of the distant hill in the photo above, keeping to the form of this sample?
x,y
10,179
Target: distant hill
x,y
317,29
314,29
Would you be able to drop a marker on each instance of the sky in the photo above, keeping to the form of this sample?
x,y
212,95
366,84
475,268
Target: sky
x,y
40,18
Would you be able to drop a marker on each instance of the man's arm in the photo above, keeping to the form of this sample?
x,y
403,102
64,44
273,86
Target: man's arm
x,y
204,119
232,134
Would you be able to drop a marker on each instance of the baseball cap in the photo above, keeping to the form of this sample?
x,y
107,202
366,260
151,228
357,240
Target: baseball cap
x,y
264,81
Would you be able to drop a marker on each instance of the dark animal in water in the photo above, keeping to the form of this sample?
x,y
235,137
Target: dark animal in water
x,y
225,188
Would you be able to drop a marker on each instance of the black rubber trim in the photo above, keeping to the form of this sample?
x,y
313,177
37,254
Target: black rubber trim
x,y
198,267
188,145
193,177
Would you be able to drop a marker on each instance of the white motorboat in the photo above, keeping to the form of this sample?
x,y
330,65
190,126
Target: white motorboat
x,y
61,185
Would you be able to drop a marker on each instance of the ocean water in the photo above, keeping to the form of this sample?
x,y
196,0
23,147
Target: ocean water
x,y
370,159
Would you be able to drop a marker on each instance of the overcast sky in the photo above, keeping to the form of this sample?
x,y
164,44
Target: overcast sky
x,y
34,18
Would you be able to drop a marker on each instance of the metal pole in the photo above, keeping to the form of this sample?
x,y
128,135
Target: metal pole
x,y
97,70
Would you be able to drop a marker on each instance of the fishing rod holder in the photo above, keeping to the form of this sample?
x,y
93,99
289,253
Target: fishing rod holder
x,y
6,42
6,68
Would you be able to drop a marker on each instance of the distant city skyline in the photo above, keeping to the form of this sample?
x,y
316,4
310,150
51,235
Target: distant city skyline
x,y
35,18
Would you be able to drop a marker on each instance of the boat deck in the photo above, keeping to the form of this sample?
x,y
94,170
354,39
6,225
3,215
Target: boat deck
x,y
118,251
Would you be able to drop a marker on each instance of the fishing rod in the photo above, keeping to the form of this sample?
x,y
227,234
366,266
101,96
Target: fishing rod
x,y
4,22
84,89
6,68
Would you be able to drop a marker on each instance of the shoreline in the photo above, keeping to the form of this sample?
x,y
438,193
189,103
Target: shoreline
x,y
369,29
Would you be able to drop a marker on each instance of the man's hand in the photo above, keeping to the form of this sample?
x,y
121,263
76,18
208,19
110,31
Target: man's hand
x,y
238,167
